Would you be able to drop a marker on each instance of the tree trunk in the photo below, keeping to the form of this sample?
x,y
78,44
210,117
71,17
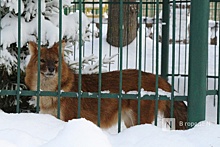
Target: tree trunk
x,y
129,23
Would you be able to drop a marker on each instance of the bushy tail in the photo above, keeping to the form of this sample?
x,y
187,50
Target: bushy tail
x,y
180,114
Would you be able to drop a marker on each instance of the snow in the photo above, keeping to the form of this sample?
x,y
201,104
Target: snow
x,y
12,5
160,93
42,130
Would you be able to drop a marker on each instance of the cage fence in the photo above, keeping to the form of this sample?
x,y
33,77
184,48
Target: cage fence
x,y
155,39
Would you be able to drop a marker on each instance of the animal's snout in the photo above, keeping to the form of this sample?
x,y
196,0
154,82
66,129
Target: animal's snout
x,y
51,68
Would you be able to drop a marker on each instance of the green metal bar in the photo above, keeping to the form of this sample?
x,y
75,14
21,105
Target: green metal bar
x,y
108,2
186,54
185,75
38,57
218,104
60,60
145,42
136,54
100,62
214,0
80,60
157,62
181,1
215,54
153,46
198,51
93,28
92,95
212,92
140,63
19,58
110,22
0,32
179,46
165,39
173,58
127,49
120,61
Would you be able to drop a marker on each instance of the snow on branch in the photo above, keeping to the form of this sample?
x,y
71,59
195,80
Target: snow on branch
x,y
29,25
94,68
8,60
49,25
90,64
31,8
12,5
109,59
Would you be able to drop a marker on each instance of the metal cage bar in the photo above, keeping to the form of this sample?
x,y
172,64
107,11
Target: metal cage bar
x,y
198,48
19,56
100,63
60,60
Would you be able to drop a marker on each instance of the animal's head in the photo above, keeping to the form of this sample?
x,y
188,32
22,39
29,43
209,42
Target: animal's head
x,y
49,59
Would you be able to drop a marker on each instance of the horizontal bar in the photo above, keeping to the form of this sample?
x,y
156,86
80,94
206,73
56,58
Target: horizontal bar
x,y
214,0
115,2
184,75
88,95
211,92
186,1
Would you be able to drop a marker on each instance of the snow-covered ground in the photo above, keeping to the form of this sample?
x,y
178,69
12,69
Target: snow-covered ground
x,y
34,130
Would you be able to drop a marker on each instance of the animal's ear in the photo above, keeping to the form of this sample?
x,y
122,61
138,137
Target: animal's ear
x,y
56,45
32,47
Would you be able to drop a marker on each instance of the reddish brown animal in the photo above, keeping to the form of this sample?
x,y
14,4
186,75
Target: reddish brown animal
x,y
110,81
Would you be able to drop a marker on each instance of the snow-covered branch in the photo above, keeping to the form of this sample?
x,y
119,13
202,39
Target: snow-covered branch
x,y
49,33
90,64
8,60
94,68
12,5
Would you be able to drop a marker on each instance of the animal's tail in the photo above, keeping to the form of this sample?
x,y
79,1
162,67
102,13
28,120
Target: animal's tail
x,y
180,114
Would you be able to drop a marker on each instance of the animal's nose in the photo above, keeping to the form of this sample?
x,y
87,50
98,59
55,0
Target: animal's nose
x,y
51,69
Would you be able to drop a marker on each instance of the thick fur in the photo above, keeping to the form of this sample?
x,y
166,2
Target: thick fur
x,y
89,106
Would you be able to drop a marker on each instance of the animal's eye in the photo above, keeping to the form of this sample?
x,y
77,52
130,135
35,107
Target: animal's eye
x,y
56,62
42,61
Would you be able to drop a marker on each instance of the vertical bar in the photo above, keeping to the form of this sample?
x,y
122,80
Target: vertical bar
x,y
38,56
186,48
215,54
0,32
127,24
140,63
153,33
165,39
218,105
173,57
93,28
60,59
120,61
179,49
136,54
100,61
198,50
19,58
110,5
145,42
80,60
157,62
